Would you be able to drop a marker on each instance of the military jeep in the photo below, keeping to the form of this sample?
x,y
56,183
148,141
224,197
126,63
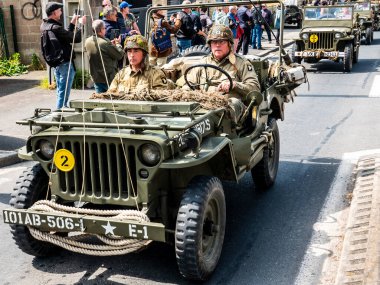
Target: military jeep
x,y
328,32
365,20
132,172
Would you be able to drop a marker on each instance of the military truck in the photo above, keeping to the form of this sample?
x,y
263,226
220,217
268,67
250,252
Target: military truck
x,y
132,172
328,32
364,18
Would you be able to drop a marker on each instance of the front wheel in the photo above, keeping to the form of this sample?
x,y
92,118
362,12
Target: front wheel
x,y
31,186
200,228
348,58
356,56
265,172
368,36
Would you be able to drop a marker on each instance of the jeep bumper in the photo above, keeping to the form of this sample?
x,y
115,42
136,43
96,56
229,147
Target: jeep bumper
x,y
64,222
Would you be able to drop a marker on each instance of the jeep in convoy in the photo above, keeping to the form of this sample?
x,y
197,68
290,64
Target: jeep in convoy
x,y
364,18
328,32
131,172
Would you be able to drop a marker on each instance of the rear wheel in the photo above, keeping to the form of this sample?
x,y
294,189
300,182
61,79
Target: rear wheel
x,y
265,172
200,228
31,186
347,60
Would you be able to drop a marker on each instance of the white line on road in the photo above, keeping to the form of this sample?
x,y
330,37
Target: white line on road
x,y
375,89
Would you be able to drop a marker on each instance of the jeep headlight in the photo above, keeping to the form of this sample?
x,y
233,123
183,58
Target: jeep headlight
x,y
149,154
305,36
45,149
338,35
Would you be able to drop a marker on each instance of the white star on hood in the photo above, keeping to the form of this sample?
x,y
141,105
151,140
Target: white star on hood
x,y
109,229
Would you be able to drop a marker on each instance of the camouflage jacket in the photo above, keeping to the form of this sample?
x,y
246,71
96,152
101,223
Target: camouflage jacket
x,y
127,80
240,69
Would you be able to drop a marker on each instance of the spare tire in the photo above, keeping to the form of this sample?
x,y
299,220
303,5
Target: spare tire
x,y
196,51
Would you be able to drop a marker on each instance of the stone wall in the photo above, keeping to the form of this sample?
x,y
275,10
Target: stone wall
x,y
27,31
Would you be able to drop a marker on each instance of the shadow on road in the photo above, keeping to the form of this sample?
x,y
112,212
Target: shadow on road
x,y
12,85
11,143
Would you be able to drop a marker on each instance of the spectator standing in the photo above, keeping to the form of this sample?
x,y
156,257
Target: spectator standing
x,y
186,32
277,24
113,28
129,19
119,18
222,17
267,15
101,50
256,29
205,20
233,23
245,22
200,37
156,57
65,71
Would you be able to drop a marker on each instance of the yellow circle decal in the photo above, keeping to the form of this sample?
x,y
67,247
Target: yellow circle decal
x,y
313,38
64,160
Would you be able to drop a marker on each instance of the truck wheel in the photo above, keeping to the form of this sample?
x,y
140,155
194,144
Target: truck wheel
x,y
347,60
368,36
356,56
265,172
196,51
200,228
31,186
296,59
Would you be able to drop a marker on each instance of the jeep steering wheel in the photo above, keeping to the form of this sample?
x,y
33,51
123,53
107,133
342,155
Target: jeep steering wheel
x,y
193,86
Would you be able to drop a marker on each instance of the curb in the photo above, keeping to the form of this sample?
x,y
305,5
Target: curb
x,y
8,158
360,259
265,53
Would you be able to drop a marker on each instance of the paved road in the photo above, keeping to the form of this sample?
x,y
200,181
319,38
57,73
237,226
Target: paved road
x,y
280,237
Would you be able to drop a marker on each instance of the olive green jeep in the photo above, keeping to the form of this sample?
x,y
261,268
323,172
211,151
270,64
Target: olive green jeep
x,y
364,18
132,172
328,32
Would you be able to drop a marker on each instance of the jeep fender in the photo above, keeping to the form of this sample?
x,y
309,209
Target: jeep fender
x,y
215,156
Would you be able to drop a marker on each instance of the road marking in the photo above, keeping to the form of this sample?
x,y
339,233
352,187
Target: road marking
x,y
375,89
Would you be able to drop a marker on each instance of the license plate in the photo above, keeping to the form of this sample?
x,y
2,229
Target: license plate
x,y
50,222
331,53
308,54
65,222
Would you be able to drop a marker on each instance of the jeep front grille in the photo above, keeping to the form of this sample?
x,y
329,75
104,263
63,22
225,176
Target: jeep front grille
x,y
105,172
325,41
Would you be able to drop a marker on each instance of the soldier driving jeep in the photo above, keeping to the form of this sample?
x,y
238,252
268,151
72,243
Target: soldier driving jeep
x,y
235,74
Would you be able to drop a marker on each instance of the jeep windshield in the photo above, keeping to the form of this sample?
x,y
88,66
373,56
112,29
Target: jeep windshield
x,y
362,6
328,13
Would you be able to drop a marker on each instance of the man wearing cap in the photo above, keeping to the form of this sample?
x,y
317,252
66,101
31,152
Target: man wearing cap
x,y
187,30
138,74
103,56
244,79
129,19
64,72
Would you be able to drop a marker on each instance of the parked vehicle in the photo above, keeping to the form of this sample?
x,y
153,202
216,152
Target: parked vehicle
x,y
293,15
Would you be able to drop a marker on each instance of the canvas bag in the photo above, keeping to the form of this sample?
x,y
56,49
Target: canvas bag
x,y
161,38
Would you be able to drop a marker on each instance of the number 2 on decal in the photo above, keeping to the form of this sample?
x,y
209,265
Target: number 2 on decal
x,y
65,159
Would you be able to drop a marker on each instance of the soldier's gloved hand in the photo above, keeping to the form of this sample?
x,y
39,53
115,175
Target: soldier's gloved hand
x,y
224,86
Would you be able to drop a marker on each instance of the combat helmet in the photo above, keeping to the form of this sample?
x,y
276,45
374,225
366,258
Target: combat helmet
x,y
136,41
220,32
